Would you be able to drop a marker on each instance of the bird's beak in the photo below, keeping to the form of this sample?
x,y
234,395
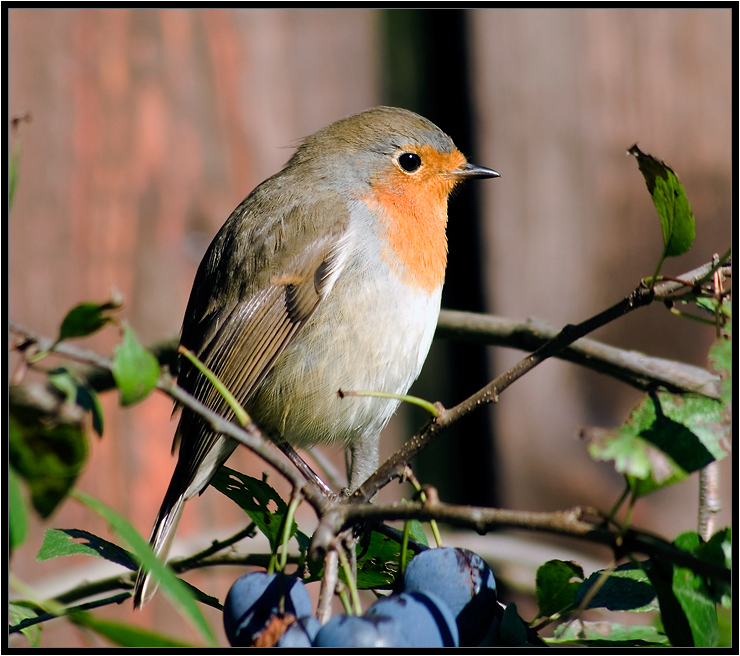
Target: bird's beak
x,y
468,170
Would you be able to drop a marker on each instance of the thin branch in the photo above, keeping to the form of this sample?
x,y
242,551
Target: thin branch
x,y
640,297
250,436
45,617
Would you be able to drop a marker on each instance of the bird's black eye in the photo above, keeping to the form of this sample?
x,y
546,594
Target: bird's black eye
x,y
409,162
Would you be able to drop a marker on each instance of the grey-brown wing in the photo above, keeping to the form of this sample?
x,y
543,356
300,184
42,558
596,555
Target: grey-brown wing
x,y
240,340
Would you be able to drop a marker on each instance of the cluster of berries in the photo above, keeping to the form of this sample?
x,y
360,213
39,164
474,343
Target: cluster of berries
x,y
448,600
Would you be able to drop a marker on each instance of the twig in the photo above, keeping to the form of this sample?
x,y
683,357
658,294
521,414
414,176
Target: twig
x,y
328,585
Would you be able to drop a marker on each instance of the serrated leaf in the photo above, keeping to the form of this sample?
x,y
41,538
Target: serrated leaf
x,y
627,589
670,201
258,499
175,589
557,582
17,513
666,438
49,457
134,369
85,319
60,542
607,634
16,614
125,635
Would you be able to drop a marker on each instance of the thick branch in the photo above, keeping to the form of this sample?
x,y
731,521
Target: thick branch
x,y
632,367
570,523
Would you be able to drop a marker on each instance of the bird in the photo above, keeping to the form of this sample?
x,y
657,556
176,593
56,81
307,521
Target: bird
x,y
327,276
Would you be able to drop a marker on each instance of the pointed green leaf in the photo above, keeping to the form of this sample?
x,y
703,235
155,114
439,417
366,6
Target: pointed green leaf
x,y
135,369
60,542
627,589
513,630
175,589
417,532
557,582
125,635
86,319
670,200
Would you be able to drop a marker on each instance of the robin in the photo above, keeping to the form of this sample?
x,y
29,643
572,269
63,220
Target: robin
x,y
327,276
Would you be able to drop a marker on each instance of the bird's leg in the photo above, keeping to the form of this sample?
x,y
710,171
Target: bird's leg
x,y
309,473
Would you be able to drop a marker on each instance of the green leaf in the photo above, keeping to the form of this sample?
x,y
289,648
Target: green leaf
x,y
17,513
627,589
379,562
88,398
557,582
416,531
60,542
78,392
125,635
175,589
718,551
135,369
607,634
64,381
513,631
687,600
86,319
670,201
666,438
258,499
49,457
674,619
17,612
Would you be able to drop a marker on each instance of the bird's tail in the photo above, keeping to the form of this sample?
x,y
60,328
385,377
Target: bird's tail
x,y
160,541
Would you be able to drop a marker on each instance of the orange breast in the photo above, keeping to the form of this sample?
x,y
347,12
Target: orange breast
x,y
413,212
